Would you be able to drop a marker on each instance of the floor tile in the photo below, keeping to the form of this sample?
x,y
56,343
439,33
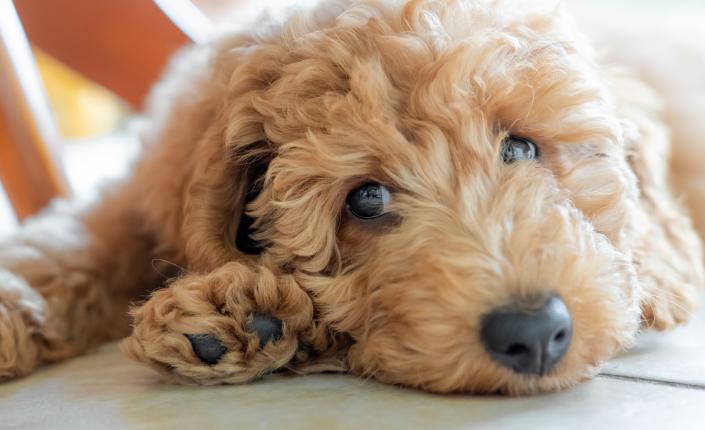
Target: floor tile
x,y
677,356
106,391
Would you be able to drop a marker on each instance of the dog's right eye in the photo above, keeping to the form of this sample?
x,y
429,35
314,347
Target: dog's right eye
x,y
369,201
518,149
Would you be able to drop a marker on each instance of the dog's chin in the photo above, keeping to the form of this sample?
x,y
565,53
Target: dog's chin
x,y
474,372
443,359
440,350
513,384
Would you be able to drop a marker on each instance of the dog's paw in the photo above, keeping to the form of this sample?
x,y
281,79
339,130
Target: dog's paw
x,y
21,319
666,306
230,326
209,349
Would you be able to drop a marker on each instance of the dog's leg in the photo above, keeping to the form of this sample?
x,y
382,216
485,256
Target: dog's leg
x,y
66,279
230,326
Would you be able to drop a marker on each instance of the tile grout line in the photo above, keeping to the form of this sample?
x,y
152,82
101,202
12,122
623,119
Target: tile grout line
x,y
641,380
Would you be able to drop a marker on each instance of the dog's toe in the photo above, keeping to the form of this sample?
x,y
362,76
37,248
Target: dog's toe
x,y
207,347
266,327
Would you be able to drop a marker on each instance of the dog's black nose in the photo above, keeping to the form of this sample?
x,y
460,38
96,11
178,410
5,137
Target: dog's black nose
x,y
526,339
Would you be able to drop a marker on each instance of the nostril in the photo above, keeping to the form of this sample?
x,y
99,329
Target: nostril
x,y
517,349
559,337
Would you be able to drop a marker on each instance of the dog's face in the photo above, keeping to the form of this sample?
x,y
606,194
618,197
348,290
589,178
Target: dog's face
x,y
448,181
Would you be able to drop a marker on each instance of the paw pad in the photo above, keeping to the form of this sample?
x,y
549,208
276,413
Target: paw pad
x,y
266,327
207,347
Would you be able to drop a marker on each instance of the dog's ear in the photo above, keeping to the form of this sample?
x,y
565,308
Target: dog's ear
x,y
226,180
661,237
203,167
254,176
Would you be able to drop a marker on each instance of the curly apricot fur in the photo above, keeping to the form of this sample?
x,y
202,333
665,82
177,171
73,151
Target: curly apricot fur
x,y
417,95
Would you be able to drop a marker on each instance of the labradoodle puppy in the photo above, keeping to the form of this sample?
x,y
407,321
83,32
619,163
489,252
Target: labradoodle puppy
x,y
452,195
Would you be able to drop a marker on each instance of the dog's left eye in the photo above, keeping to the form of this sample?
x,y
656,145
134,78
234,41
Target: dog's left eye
x,y
518,149
369,201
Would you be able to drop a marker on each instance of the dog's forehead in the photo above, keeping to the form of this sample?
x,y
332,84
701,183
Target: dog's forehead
x,y
380,78
426,62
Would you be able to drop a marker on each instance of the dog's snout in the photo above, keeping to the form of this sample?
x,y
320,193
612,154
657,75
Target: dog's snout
x,y
528,341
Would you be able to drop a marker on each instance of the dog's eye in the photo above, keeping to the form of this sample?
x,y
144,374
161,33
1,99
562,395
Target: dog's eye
x,y
518,149
368,201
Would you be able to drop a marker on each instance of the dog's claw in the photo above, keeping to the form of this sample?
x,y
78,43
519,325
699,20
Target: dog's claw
x,y
207,347
266,327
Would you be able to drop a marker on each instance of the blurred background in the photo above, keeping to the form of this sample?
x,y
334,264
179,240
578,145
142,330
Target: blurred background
x,y
72,72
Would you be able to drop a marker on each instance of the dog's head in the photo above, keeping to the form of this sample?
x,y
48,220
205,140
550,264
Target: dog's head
x,y
447,179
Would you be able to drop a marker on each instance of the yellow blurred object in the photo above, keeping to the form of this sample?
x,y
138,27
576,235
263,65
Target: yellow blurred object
x,y
81,108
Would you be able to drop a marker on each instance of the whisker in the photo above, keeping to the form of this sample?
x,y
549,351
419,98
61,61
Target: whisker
x,y
182,270
284,366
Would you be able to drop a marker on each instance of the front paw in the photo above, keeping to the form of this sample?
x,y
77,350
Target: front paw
x,y
21,319
667,306
230,326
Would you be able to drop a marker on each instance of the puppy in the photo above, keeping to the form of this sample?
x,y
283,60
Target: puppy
x,y
452,195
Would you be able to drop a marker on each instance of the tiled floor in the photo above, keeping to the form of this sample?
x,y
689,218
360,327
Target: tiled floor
x,y
676,358
660,384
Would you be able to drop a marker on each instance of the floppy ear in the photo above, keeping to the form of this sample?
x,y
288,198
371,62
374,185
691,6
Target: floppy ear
x,y
217,227
666,250
205,154
254,177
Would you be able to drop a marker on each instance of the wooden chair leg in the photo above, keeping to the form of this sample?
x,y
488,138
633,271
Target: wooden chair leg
x,y
122,45
29,167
